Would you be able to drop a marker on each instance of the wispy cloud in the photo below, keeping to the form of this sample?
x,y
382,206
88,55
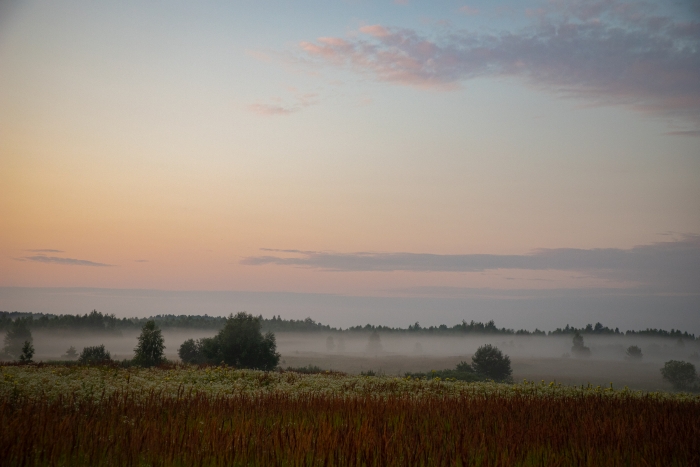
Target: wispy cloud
x,y
63,261
671,265
45,251
609,52
277,106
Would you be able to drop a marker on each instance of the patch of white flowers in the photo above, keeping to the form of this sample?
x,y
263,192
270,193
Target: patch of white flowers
x,y
95,382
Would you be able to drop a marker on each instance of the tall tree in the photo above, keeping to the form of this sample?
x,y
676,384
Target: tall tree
x,y
149,351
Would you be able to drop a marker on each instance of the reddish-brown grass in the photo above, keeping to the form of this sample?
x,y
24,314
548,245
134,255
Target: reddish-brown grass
x,y
280,429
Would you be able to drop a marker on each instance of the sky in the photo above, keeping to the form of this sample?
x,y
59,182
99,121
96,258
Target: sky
x,y
384,161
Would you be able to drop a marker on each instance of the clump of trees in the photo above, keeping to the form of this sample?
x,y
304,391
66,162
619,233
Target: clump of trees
x,y
634,353
578,349
240,344
149,351
94,355
681,375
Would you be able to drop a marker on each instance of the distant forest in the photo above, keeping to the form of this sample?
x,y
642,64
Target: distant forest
x,y
105,323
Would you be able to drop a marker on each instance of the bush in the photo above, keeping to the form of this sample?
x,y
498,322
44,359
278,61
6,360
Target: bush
x,y
95,354
240,344
634,352
307,370
16,336
71,354
149,351
490,362
681,375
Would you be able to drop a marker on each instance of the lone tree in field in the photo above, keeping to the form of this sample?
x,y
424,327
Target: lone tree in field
x,y
95,354
240,344
681,375
490,362
149,351
634,352
27,352
578,349
16,336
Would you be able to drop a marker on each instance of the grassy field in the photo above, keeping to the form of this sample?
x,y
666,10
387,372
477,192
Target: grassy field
x,y
182,416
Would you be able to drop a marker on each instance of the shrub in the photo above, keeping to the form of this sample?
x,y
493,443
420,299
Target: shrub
x,y
681,375
634,352
149,351
307,370
462,372
490,362
95,354
71,354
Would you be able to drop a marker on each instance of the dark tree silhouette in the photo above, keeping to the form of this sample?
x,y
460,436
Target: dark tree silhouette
x,y
634,352
490,362
27,352
578,348
149,351
681,375
240,344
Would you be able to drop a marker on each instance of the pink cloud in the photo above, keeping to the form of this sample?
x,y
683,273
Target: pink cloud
x,y
606,53
375,30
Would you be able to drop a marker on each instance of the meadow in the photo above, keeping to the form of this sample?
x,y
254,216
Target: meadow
x,y
184,415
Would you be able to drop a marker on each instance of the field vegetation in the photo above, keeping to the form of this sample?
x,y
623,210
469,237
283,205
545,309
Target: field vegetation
x,y
201,415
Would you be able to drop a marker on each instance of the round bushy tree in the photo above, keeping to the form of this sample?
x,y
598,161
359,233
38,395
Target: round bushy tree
x,y
149,351
241,344
681,375
490,362
189,352
634,352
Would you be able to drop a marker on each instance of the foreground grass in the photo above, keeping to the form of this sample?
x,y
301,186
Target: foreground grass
x,y
185,416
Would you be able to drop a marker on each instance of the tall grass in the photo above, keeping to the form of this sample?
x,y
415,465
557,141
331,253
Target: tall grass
x,y
190,428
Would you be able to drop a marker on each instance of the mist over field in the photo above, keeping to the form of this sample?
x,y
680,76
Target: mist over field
x,y
537,358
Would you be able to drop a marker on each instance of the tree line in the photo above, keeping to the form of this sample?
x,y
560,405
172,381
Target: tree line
x,y
109,323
